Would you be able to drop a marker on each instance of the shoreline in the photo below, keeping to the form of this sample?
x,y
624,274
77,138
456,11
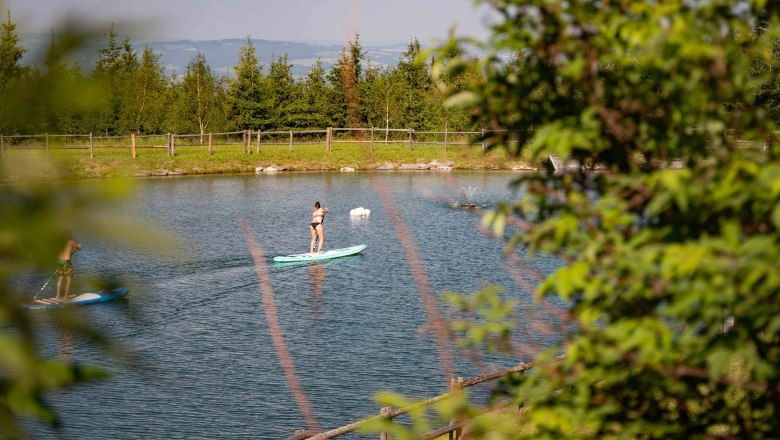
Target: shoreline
x,y
71,166
277,169
50,173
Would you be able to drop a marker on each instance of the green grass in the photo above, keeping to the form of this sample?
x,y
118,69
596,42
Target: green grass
x,y
194,159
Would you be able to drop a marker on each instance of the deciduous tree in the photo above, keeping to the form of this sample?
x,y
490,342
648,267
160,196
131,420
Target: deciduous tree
x,y
669,255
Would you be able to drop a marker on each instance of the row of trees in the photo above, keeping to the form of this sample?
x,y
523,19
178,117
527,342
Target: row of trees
x,y
134,94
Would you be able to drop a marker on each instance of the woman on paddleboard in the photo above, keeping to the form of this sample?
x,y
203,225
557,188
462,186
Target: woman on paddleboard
x,y
317,217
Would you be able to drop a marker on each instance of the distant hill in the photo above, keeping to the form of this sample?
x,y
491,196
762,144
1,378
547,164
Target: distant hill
x,y
222,55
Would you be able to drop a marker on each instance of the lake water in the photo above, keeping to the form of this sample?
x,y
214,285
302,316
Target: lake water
x,y
354,326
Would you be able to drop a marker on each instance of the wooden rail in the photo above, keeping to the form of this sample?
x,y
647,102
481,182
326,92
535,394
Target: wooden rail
x,y
136,142
402,136
389,413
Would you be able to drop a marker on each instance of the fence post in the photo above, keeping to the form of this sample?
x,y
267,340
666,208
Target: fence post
x,y
211,143
91,146
329,139
410,139
258,140
372,139
2,145
47,143
384,412
446,138
483,139
173,144
291,140
455,385
132,144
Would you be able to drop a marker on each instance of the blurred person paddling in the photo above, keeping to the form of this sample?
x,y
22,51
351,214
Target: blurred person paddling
x,y
66,268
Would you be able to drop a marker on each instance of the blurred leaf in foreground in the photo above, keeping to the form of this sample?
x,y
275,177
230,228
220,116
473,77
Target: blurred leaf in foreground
x,y
39,208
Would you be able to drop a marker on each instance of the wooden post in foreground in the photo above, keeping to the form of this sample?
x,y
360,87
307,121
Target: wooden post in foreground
x,y
91,146
372,139
173,144
410,139
291,140
455,385
258,141
211,142
2,145
132,144
329,139
47,143
249,141
483,139
446,137
384,411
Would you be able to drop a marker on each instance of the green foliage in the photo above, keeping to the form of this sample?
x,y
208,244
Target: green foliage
x,y
248,92
423,418
136,96
671,273
483,320
40,206
282,93
10,70
200,98
309,109
414,84
10,53
147,103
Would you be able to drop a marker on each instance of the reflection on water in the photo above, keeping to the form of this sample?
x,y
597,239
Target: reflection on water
x,y
351,324
317,278
65,343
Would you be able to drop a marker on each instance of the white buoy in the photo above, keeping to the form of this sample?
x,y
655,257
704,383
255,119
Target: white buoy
x,y
360,212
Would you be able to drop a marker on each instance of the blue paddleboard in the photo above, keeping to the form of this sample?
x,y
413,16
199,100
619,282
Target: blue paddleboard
x,y
78,300
333,253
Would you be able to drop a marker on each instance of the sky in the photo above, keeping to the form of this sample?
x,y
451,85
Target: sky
x,y
310,21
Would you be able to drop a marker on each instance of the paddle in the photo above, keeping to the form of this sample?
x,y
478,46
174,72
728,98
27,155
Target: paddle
x,y
46,284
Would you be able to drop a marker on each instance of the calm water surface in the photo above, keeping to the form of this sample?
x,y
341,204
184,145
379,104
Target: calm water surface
x,y
354,326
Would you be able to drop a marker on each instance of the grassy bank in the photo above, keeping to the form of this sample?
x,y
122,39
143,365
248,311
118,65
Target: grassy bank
x,y
194,159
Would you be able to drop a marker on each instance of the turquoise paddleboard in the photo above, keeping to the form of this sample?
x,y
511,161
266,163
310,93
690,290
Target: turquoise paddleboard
x,y
78,300
333,253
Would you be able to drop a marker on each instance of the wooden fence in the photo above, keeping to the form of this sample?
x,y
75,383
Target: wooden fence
x,y
254,141
248,141
454,428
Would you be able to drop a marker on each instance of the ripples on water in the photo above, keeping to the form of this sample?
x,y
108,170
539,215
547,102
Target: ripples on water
x,y
353,325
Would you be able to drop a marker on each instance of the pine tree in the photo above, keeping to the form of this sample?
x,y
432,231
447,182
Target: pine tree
x,y
337,104
357,55
110,57
416,84
309,109
10,70
57,77
247,93
107,70
10,53
282,92
316,95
